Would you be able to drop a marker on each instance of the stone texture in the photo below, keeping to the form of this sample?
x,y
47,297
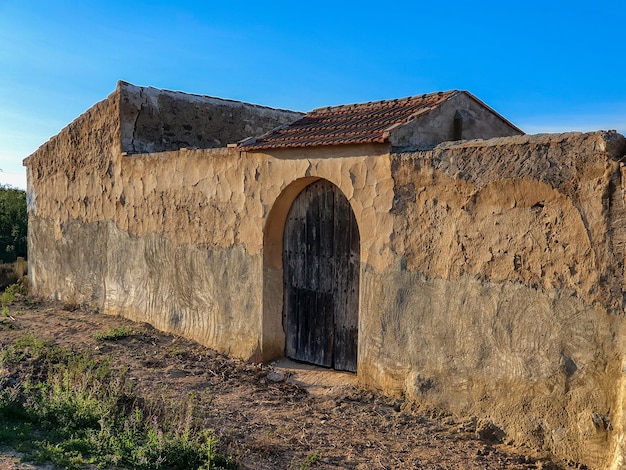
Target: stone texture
x,y
539,364
544,210
156,120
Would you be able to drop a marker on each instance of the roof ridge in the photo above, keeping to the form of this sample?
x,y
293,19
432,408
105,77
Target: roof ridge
x,y
371,122
392,100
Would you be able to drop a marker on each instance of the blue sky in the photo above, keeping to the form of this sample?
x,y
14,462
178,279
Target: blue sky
x,y
548,66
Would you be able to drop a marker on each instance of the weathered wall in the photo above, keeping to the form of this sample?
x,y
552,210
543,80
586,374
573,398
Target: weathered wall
x,y
186,252
546,211
492,272
508,301
156,120
105,229
67,176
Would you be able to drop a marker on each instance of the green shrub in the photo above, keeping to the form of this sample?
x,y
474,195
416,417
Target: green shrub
x,y
309,461
11,292
74,410
13,224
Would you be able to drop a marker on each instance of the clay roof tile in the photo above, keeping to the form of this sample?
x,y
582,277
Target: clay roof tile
x,y
360,123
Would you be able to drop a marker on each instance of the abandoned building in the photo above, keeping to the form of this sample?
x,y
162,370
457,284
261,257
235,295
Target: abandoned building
x,y
424,243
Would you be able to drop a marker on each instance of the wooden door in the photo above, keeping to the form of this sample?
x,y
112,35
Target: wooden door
x,y
321,278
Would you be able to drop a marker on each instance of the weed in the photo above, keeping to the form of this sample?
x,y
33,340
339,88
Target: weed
x,y
177,351
307,463
11,292
274,431
114,334
310,460
74,410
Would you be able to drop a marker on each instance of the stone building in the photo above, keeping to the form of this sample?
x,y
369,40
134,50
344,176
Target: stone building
x,y
424,243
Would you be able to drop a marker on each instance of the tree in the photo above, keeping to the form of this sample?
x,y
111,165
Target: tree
x,y
13,224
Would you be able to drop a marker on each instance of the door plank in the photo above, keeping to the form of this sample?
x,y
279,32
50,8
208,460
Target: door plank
x,y
321,278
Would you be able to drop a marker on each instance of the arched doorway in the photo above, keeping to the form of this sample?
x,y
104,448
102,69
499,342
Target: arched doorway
x,y
321,265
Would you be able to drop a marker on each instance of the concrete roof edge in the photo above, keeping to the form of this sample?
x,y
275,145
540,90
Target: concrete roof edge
x,y
485,105
616,140
122,85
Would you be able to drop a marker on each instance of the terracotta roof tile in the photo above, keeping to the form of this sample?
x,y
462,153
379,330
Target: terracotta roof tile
x,y
347,124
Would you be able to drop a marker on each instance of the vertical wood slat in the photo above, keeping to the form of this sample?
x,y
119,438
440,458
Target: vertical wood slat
x,y
321,278
346,313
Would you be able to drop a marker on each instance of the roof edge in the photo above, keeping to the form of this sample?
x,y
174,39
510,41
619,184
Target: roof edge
x,y
124,85
452,92
439,96
482,103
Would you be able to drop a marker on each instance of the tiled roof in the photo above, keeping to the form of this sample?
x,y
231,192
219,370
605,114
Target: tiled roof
x,y
348,124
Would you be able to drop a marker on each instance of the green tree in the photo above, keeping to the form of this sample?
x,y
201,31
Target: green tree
x,y
13,224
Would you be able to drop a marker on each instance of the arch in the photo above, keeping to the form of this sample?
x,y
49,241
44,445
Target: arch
x,y
278,333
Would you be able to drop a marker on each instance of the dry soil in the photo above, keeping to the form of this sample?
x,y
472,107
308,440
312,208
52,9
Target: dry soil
x,y
274,416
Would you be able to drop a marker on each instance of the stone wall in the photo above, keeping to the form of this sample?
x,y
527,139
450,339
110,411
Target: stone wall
x,y
492,272
156,120
105,228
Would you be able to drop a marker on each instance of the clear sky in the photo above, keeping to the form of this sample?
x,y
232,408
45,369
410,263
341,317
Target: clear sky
x,y
547,66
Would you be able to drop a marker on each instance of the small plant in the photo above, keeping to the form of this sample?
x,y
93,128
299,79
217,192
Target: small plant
x,y
308,462
114,334
74,410
11,293
274,431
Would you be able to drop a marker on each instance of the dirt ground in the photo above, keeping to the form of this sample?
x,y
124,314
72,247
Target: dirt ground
x,y
273,416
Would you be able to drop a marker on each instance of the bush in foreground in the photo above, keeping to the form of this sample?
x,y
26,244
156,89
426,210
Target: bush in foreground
x,y
74,410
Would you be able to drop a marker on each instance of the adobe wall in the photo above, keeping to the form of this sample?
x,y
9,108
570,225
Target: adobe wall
x,y
508,300
177,238
492,272
66,176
